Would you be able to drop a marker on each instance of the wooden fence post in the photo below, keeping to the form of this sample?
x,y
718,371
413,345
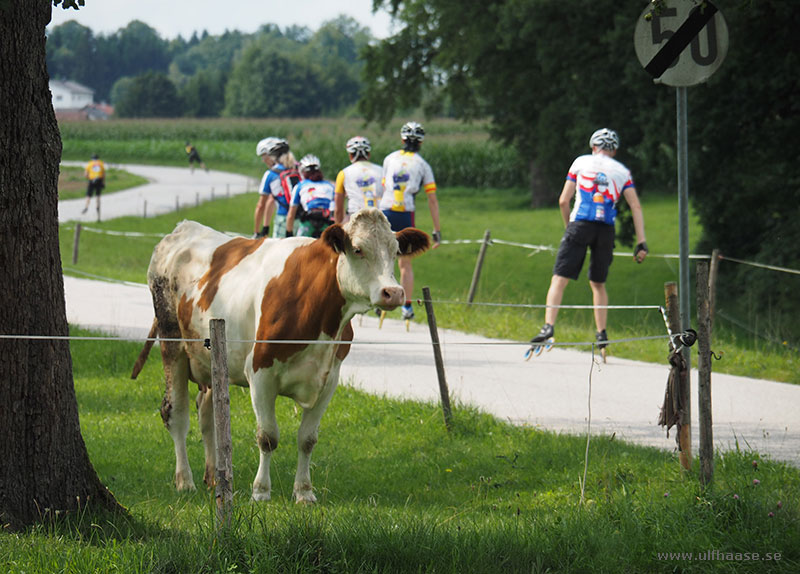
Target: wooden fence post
x,y
437,357
476,275
685,436
197,199
212,194
704,374
712,284
222,422
144,210
177,203
75,241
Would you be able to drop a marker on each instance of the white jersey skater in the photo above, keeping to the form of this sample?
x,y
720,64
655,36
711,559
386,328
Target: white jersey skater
x,y
361,181
404,174
600,181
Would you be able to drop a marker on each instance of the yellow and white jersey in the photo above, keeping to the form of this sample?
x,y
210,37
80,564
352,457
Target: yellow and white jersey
x,y
362,182
95,169
405,173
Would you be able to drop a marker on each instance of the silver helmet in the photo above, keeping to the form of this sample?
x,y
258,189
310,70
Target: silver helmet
x,y
310,162
412,131
358,145
604,139
275,147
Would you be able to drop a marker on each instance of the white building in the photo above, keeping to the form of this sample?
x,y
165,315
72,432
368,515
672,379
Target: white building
x,y
70,95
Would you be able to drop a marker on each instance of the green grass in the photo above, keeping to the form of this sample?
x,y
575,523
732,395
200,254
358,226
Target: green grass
x,y
510,274
462,154
72,182
398,493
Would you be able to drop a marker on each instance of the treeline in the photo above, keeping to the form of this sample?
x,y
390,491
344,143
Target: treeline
x,y
271,73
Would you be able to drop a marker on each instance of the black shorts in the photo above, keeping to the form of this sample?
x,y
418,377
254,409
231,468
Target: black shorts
x,y
572,251
399,220
95,187
194,157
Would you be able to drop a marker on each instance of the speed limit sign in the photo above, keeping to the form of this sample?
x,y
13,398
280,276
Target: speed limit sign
x,y
681,42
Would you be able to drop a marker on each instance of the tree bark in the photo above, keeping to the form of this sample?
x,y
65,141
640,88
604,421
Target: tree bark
x,y
540,195
45,466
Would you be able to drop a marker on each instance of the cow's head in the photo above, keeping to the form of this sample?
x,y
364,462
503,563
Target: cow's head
x,y
368,249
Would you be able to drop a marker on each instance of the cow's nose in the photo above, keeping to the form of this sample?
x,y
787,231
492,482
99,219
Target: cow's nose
x,y
392,297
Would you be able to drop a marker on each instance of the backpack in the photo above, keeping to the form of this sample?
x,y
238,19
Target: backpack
x,y
289,178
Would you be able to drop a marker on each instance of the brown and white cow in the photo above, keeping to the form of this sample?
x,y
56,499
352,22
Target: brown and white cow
x,y
267,290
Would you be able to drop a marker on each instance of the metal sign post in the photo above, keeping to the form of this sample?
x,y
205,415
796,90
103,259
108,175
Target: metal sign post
x,y
681,43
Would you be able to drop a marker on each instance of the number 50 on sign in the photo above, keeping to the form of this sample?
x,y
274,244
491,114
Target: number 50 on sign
x,y
681,42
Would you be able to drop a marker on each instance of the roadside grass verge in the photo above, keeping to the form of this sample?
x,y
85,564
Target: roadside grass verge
x,y
398,493
510,274
72,183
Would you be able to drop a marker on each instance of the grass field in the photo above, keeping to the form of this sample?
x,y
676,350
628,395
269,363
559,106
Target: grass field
x,y
510,274
72,183
398,493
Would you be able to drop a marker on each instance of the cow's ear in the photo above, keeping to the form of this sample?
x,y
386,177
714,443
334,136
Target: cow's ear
x,y
412,241
335,237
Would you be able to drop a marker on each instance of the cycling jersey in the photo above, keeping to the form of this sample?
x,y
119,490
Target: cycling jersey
x,y
271,185
404,174
95,169
599,182
314,195
361,181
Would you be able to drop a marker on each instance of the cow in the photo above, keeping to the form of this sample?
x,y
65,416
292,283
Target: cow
x,y
267,290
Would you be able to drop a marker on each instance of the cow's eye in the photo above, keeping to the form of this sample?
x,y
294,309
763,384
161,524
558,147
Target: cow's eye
x,y
357,251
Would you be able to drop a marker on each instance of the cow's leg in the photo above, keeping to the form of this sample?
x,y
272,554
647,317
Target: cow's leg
x,y
307,438
263,396
205,416
175,409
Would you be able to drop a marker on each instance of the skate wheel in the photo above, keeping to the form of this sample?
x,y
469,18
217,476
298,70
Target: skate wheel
x,y
408,325
603,353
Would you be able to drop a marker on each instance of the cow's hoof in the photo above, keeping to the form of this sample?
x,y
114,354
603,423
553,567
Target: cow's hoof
x,y
306,497
261,496
209,477
184,481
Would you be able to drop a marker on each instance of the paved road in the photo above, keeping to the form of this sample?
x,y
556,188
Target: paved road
x,y
167,185
550,392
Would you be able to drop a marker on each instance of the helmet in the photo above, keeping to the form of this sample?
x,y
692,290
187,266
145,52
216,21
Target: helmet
x,y
412,131
604,139
358,145
309,163
272,146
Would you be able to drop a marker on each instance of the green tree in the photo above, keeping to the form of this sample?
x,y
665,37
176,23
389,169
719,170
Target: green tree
x,y
203,95
150,95
46,469
268,83
545,72
71,53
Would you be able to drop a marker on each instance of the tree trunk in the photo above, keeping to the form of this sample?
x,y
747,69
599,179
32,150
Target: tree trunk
x,y
540,195
45,467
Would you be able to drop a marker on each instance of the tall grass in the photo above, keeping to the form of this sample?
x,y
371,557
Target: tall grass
x,y
462,154
398,493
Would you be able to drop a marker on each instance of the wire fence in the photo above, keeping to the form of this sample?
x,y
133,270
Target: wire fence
x,y
530,246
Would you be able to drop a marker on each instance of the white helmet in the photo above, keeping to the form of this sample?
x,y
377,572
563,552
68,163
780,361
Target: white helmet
x,y
604,139
310,162
272,146
412,131
358,145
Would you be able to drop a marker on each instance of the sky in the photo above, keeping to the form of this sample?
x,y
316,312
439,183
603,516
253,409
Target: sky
x,y
171,18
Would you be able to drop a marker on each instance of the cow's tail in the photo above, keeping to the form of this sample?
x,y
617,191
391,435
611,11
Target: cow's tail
x,y
145,352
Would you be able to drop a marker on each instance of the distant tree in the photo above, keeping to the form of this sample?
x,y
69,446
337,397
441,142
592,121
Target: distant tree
x,y
266,83
203,95
72,53
150,95
46,469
